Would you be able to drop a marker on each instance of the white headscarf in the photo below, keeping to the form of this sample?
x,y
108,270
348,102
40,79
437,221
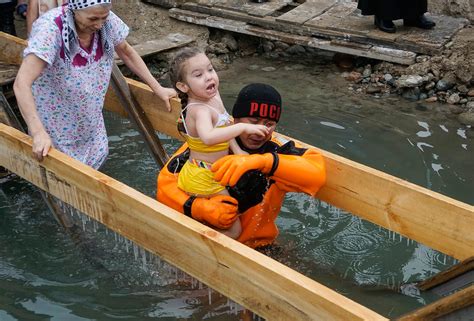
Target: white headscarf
x,y
69,33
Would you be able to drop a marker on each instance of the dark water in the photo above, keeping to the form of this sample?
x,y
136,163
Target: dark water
x,y
45,274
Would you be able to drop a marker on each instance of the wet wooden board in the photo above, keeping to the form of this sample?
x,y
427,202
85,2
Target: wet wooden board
x,y
306,11
454,278
358,49
455,307
172,40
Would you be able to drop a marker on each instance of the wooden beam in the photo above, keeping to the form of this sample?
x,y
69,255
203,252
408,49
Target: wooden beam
x,y
248,277
138,116
435,220
447,275
445,306
11,49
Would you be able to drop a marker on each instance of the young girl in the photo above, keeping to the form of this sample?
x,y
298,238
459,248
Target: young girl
x,y
208,128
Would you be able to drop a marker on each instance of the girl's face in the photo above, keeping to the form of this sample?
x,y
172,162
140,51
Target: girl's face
x,y
200,80
90,20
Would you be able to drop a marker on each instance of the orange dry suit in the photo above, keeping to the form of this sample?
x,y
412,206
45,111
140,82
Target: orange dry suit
x,y
260,198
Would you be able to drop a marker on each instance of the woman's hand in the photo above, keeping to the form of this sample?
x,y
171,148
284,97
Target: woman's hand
x,y
165,94
41,144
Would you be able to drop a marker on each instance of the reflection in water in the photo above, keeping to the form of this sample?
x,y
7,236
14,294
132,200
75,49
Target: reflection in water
x,y
46,275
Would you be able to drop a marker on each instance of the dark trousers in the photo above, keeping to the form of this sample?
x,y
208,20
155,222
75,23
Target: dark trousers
x,y
7,19
393,9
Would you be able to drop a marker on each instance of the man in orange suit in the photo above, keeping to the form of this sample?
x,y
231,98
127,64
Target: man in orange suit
x,y
257,183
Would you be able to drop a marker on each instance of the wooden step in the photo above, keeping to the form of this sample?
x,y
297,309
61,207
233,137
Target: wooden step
x,y
151,47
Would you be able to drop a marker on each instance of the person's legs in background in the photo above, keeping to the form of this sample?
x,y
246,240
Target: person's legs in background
x,y
7,19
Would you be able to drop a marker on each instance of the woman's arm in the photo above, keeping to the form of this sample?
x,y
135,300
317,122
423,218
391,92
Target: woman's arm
x,y
32,13
136,64
30,69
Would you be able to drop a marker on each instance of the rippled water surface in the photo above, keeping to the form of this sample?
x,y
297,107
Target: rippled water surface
x,y
45,274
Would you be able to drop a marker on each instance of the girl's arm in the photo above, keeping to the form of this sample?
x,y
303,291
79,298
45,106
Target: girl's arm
x,y
32,13
30,69
211,135
235,148
136,64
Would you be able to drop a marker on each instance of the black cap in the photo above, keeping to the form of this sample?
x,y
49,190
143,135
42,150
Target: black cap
x,y
258,100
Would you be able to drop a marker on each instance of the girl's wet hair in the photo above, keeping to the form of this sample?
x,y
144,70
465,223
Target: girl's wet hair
x,y
176,70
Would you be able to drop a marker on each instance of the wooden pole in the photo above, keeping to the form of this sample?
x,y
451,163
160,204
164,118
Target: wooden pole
x,y
445,306
138,116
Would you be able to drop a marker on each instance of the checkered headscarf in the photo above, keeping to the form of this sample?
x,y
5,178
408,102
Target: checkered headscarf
x,y
69,34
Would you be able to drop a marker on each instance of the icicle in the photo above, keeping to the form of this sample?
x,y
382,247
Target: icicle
x,y
209,292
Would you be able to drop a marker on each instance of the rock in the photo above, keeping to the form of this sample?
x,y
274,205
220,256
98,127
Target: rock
x,y
463,101
466,118
454,109
268,69
470,93
253,67
353,76
388,77
412,94
470,105
453,99
230,42
430,85
296,50
463,89
422,58
373,90
280,45
431,99
444,84
409,81
367,72
423,96
267,46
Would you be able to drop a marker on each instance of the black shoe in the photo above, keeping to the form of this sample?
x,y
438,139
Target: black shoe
x,y
422,22
385,25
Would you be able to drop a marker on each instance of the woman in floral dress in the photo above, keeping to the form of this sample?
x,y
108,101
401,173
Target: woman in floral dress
x,y
62,82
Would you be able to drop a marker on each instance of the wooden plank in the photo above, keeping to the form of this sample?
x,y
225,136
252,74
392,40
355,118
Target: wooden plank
x,y
444,276
306,11
265,8
248,277
353,48
138,116
161,119
445,306
11,49
171,41
413,211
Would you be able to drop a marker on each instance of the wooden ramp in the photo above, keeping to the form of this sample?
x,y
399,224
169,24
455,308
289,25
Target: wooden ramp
x,y
323,24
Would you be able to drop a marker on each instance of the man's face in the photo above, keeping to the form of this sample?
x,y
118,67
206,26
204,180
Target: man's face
x,y
255,141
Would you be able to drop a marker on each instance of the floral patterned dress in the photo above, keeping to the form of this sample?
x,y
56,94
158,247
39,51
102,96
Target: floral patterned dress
x,y
70,98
